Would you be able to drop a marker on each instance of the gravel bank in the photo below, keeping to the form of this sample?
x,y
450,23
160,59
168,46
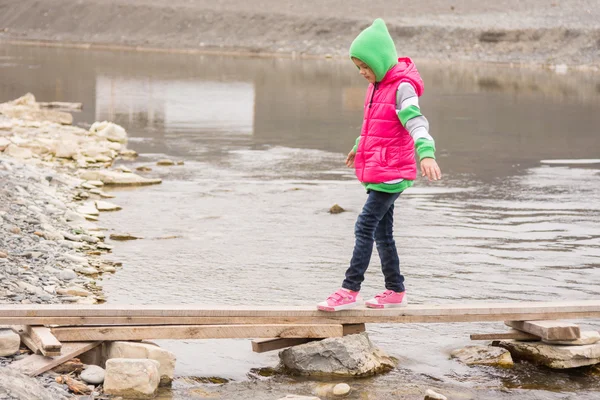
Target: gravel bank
x,y
533,32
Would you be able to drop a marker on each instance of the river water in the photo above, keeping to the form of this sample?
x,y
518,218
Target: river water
x,y
264,140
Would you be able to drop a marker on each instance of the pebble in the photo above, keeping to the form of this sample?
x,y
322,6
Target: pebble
x,y
3,254
89,239
165,163
341,389
76,258
93,374
67,274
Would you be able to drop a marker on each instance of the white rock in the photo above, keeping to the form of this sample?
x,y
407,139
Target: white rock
x,y
431,395
131,378
102,194
106,206
96,183
109,177
483,355
93,374
296,397
554,356
587,337
341,389
88,209
4,142
109,131
67,146
76,258
67,275
17,152
165,358
9,342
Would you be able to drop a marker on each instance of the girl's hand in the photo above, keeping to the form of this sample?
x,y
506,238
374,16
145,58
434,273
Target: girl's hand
x,y
350,159
430,169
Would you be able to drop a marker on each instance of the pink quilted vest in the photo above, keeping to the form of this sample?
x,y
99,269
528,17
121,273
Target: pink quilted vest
x,y
386,151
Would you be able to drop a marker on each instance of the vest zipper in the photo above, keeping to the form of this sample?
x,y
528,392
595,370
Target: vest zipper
x,y
373,93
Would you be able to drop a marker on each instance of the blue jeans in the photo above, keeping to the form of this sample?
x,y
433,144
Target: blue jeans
x,y
375,224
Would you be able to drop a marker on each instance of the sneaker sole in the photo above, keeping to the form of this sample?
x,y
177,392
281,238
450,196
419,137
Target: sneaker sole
x,y
338,308
389,305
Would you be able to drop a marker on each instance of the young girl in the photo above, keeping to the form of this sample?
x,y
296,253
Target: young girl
x,y
384,160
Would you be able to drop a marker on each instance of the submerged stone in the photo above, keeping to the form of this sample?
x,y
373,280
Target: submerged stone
x,y
484,355
553,356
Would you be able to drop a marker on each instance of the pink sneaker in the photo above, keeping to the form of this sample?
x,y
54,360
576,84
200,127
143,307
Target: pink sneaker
x,y
341,300
388,299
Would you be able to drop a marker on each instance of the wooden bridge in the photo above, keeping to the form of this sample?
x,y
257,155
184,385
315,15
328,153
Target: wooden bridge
x,y
44,328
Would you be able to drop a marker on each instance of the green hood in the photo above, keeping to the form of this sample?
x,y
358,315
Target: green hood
x,y
374,46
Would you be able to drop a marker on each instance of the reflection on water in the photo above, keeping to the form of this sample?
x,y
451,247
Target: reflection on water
x,y
264,142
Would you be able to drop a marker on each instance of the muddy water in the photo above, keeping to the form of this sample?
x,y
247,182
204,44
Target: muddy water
x,y
264,142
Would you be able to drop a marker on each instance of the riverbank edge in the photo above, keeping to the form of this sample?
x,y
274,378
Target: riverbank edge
x,y
241,52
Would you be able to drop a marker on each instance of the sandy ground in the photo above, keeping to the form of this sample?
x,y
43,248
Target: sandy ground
x,y
516,31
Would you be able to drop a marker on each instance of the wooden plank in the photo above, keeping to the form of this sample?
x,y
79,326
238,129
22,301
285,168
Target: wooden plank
x,y
548,330
351,329
264,345
76,334
37,364
47,344
334,318
512,334
196,315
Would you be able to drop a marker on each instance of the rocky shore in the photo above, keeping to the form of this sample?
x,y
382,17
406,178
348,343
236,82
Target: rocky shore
x,y
508,31
50,244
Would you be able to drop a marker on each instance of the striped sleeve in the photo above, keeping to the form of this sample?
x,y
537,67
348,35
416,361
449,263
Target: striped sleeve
x,y
409,113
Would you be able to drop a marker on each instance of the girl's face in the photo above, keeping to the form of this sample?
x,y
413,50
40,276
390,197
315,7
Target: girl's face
x,y
364,70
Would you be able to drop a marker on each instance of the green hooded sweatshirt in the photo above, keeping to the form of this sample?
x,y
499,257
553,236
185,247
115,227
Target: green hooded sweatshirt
x,y
375,47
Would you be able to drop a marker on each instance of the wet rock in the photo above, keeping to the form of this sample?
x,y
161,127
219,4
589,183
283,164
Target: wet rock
x,y
165,163
165,358
109,177
586,337
348,356
74,291
131,378
341,389
143,169
109,131
126,153
9,342
432,395
336,209
553,356
106,206
484,355
123,236
88,209
16,386
102,194
93,374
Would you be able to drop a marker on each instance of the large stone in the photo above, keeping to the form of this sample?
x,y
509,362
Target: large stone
x,y
348,356
88,209
165,358
586,337
16,386
131,378
117,178
9,342
484,355
553,356
93,374
21,153
67,146
109,131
